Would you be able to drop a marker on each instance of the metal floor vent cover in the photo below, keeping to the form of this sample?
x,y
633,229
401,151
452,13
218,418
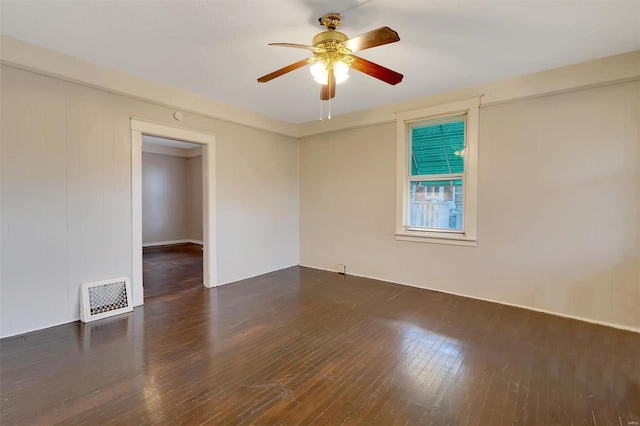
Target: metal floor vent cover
x,y
105,299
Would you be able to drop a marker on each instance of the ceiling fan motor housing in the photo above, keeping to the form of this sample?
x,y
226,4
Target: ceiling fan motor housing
x,y
328,36
331,48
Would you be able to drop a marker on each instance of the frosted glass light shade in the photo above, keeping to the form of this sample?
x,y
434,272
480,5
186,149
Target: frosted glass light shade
x,y
319,72
340,71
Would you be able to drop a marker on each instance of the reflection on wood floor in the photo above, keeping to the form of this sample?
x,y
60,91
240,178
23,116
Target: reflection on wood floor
x,y
301,345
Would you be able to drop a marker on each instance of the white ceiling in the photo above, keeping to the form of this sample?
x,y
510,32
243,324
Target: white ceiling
x,y
219,48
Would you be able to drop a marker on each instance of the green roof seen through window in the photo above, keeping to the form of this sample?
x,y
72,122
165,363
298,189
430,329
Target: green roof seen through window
x,y
437,149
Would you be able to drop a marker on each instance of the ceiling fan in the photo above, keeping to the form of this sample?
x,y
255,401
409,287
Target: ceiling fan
x,y
333,56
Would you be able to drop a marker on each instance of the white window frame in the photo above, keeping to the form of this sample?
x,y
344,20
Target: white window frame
x,y
469,234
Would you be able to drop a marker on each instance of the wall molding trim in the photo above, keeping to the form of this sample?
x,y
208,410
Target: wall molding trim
x,y
514,305
616,69
29,57
172,242
40,60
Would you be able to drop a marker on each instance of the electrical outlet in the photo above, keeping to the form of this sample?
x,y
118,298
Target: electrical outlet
x,y
341,269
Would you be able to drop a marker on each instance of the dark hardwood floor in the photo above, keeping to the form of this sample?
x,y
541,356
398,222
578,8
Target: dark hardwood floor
x,y
302,346
169,269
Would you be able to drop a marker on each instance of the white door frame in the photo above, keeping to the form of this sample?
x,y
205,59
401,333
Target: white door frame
x,y
208,141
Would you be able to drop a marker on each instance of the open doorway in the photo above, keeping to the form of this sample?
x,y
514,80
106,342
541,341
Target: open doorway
x,y
172,242
165,222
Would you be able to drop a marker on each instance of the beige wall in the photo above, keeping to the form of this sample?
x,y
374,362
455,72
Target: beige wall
x,y
165,198
256,175
66,195
559,207
171,198
546,165
195,197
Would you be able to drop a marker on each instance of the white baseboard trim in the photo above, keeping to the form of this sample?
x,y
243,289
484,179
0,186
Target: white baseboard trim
x,y
168,243
256,275
32,330
544,311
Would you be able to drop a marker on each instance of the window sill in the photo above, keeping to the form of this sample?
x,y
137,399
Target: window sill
x,y
454,240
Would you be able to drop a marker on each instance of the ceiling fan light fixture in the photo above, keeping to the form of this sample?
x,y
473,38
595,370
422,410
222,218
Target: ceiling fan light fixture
x,y
333,56
319,72
340,71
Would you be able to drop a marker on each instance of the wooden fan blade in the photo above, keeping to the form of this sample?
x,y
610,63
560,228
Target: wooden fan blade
x,y
297,46
282,71
384,35
328,91
377,71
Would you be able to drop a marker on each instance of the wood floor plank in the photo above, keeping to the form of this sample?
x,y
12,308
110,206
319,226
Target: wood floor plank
x,y
304,346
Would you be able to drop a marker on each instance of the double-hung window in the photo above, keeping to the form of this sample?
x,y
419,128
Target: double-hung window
x,y
437,169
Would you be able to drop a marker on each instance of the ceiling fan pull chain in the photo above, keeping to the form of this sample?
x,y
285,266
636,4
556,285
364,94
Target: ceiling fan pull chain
x,y
329,116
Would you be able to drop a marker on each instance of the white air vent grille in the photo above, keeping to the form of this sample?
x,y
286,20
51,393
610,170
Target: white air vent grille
x,y
104,299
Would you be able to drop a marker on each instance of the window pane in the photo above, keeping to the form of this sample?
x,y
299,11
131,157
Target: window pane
x,y
437,149
436,205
